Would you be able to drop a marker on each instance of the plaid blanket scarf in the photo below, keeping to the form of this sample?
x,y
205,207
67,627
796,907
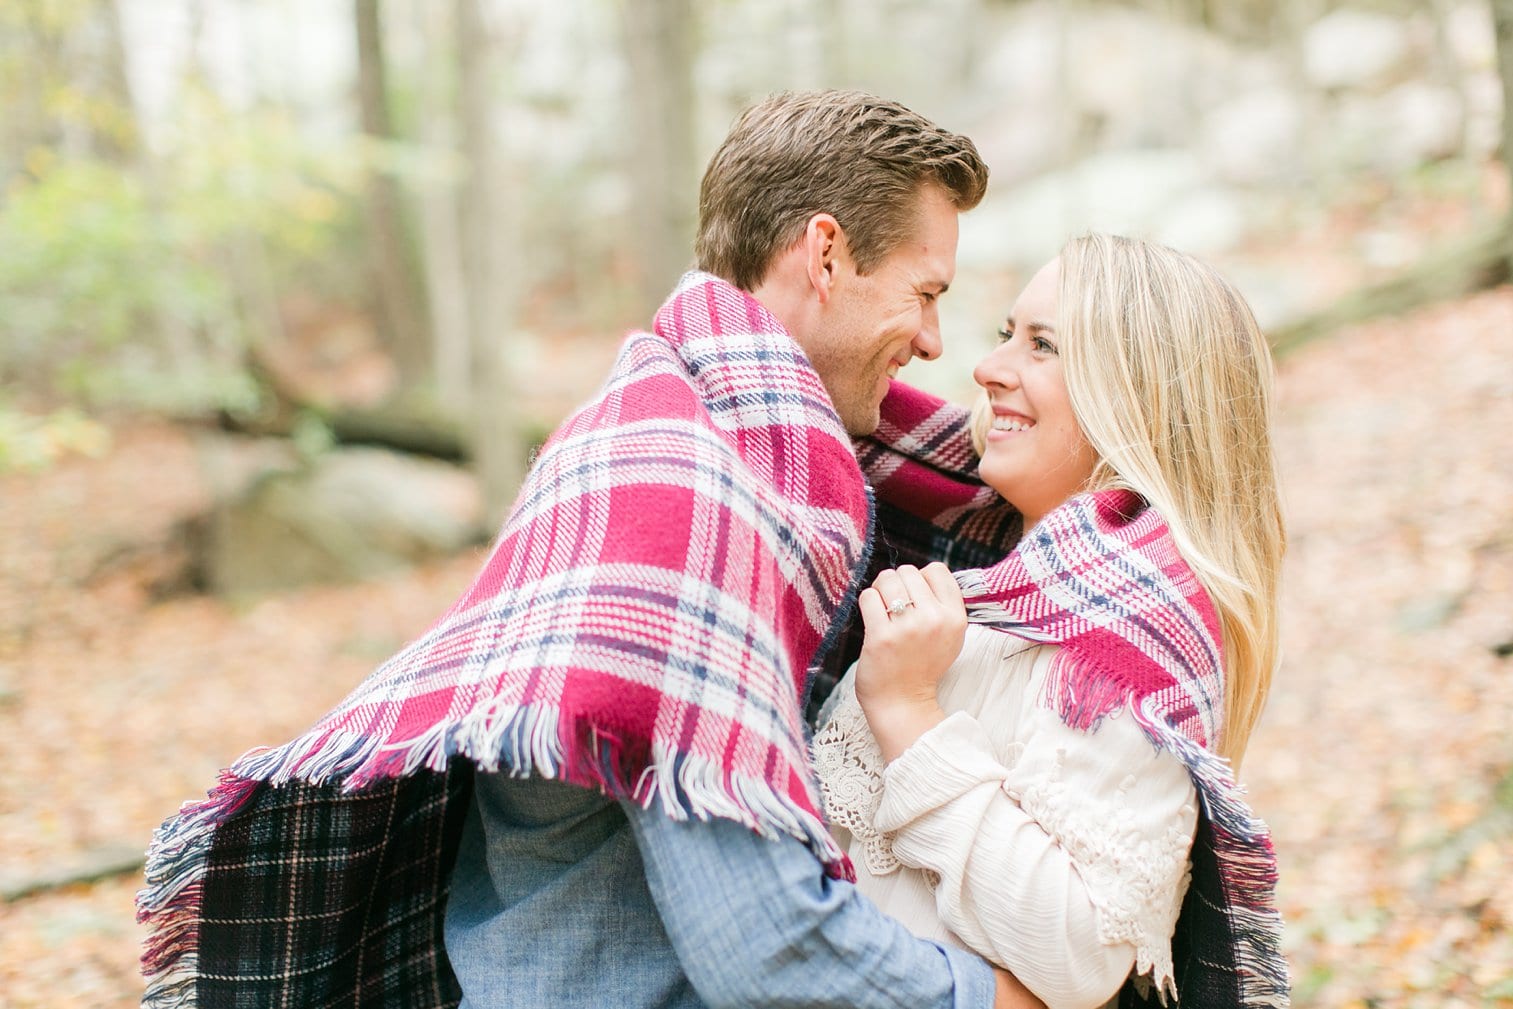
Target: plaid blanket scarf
x,y
644,625
1100,577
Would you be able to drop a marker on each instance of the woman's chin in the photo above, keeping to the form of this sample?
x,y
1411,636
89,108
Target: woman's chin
x,y
999,478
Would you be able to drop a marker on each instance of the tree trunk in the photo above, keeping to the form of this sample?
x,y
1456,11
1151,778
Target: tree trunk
x,y
1502,23
37,86
1446,69
123,141
1473,262
395,284
1313,159
440,216
90,867
835,32
486,229
659,46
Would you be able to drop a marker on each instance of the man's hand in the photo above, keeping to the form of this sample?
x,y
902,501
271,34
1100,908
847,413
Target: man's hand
x,y
1008,993
915,624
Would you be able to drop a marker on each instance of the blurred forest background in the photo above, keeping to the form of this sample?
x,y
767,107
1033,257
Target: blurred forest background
x,y
288,291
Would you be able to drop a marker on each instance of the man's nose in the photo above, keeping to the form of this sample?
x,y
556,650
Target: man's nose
x,y
928,344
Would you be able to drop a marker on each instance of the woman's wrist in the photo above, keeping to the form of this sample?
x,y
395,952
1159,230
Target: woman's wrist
x,y
897,723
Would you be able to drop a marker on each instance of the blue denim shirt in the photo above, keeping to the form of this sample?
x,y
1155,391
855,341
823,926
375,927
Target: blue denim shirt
x,y
562,897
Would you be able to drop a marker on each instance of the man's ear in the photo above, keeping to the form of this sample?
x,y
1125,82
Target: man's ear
x,y
824,248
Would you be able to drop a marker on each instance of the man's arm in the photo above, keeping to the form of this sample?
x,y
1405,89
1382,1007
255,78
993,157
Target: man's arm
x,y
756,923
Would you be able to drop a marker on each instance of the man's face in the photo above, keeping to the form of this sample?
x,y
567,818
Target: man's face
x,y
873,325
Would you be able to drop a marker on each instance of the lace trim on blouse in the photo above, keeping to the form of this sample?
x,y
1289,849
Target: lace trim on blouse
x,y
850,765
1131,878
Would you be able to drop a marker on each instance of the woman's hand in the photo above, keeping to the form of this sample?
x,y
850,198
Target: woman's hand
x,y
915,623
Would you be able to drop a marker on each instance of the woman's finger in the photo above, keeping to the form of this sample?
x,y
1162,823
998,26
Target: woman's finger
x,y
894,594
874,610
915,586
943,583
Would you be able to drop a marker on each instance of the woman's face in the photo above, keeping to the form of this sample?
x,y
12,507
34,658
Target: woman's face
x,y
1036,455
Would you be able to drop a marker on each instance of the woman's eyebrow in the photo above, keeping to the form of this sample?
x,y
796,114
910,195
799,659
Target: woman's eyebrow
x,y
1038,324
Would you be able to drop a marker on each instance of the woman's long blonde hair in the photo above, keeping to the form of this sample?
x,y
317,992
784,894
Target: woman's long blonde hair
x,y
1170,380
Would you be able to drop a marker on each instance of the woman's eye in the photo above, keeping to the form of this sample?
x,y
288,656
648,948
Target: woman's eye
x,y
1005,334
1044,346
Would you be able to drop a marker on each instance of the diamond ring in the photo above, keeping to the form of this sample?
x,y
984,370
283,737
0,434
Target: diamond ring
x,y
897,606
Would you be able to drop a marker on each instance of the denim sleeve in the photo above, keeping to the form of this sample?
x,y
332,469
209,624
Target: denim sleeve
x,y
756,923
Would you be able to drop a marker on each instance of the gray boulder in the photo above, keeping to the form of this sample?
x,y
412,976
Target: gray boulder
x,y
1166,195
1249,139
351,514
1356,49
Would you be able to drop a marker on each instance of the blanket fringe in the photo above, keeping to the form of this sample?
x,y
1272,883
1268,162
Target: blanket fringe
x,y
1246,859
526,741
170,902
520,741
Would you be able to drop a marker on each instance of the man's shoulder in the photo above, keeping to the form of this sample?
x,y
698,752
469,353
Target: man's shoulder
x,y
648,383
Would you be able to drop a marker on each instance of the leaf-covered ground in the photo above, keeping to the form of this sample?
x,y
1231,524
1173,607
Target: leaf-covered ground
x,y
1384,764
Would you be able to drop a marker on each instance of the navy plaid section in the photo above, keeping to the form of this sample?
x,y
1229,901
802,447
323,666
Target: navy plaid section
x,y
904,538
322,898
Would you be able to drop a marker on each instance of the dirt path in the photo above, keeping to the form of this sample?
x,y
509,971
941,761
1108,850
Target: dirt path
x,y
1384,764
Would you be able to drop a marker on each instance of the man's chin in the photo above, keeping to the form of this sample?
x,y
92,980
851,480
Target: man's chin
x,y
861,426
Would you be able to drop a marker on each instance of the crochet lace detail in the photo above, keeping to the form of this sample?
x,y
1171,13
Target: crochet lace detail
x,y
1130,877
850,766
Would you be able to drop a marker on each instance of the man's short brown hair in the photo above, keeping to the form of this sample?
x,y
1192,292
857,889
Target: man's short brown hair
x,y
860,158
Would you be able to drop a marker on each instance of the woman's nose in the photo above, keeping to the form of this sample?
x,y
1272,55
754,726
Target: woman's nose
x,y
997,368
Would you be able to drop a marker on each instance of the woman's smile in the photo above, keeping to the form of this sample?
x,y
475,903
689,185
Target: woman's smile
x,y
1007,422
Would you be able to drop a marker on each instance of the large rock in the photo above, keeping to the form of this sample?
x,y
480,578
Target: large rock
x,y
1427,122
1250,139
1055,81
1356,49
1165,195
353,513
1468,29
1407,126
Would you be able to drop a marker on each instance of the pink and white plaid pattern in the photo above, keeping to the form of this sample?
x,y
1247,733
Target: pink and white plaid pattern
x,y
647,617
1101,577
644,625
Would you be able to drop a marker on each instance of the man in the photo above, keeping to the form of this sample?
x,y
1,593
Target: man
x,y
630,668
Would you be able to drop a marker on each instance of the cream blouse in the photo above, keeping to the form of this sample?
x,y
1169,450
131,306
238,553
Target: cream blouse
x,y
1059,855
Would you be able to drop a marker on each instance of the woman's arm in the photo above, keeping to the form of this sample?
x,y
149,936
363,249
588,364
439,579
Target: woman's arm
x,y
1066,865
1062,868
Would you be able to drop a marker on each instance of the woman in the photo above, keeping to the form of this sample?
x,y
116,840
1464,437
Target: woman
x,y
1031,784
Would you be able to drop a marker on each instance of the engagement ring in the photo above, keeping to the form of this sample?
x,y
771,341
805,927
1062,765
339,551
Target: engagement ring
x,y
897,606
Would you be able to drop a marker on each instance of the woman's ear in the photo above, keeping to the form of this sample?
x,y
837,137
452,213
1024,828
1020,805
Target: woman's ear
x,y
824,244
